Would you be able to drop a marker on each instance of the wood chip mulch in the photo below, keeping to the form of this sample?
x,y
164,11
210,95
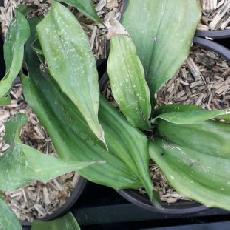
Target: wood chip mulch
x,y
215,15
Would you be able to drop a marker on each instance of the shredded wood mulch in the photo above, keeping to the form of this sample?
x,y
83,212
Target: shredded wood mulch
x,y
203,80
215,15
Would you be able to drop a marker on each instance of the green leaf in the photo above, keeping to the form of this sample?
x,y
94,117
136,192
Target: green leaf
x,y
21,164
8,220
198,175
127,80
86,7
16,38
71,62
162,32
192,116
67,222
127,159
5,101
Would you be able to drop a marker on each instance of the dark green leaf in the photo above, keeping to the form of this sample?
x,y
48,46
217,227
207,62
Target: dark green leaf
x,y
5,100
16,38
21,164
86,7
127,80
67,222
127,159
162,32
71,62
8,220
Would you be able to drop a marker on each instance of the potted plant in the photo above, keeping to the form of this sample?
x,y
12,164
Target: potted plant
x,y
63,90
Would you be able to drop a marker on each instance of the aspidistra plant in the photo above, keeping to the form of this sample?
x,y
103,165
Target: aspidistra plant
x,y
63,90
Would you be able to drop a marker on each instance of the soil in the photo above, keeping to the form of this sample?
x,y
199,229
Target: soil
x,y
215,15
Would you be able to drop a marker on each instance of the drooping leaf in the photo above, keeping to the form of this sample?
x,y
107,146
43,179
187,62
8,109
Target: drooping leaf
x,y
195,174
8,219
127,80
86,7
16,38
71,62
21,164
195,154
162,32
192,116
67,222
127,159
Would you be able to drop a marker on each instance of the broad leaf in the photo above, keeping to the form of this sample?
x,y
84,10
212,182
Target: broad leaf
x,y
8,220
127,80
127,159
71,62
86,7
21,164
162,32
195,174
194,154
192,116
5,100
67,222
16,38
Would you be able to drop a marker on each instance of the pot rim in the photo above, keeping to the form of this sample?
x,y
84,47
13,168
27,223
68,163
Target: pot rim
x,y
75,194
215,34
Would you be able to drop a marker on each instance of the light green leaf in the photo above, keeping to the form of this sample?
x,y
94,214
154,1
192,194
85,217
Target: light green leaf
x,y
86,7
21,164
162,32
16,38
198,175
71,62
8,220
127,159
5,100
127,80
67,222
192,116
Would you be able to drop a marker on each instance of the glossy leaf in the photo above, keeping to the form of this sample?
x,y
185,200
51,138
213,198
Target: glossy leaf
x,y
67,222
71,62
16,38
21,164
127,80
127,159
86,7
8,219
162,32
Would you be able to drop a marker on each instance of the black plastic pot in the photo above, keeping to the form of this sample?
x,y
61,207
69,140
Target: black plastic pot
x,y
217,34
185,207
67,206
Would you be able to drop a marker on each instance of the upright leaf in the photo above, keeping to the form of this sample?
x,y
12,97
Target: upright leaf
x,y
21,164
8,220
86,7
71,62
127,80
67,222
127,159
16,38
162,32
